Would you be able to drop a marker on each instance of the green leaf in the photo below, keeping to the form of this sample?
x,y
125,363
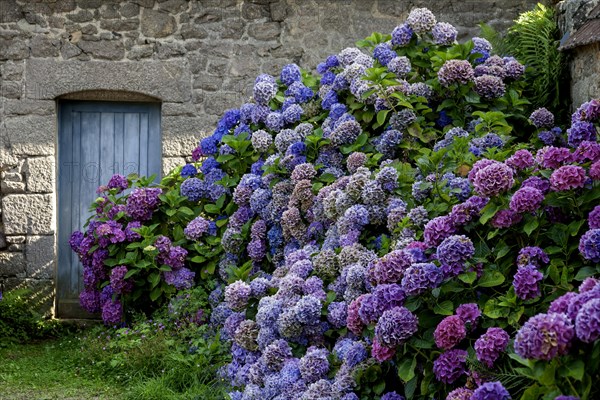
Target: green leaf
x,y
531,226
444,308
491,279
211,209
584,272
379,387
381,116
575,369
155,293
468,277
488,212
406,369
186,211
131,273
154,279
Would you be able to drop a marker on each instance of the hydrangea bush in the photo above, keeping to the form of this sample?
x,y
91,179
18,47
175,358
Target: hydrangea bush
x,y
402,226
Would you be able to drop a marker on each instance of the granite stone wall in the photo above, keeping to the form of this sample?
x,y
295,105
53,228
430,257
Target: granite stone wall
x,y
584,61
197,58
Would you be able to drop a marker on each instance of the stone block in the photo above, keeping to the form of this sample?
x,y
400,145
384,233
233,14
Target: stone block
x,y
12,71
28,214
278,10
173,6
27,107
179,109
252,11
103,49
7,187
157,24
44,46
165,80
181,135
265,31
39,174
30,134
170,163
169,50
120,25
10,11
16,248
39,256
10,90
129,10
81,16
15,239
109,11
69,50
193,31
12,264
139,52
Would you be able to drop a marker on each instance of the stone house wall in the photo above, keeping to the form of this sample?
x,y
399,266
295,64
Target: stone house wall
x,y
197,58
584,60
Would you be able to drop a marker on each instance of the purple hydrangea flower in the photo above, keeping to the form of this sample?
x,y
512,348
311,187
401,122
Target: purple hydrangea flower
x,y
399,66
290,74
112,312
396,326
581,131
314,364
544,336
493,179
450,366
392,396
489,345
455,71
587,323
420,277
542,118
444,34
237,295
491,391
401,35
118,182
526,199
437,230
489,86
181,278
421,20
526,282
453,252
196,228
567,177
141,203
461,393
449,332
469,313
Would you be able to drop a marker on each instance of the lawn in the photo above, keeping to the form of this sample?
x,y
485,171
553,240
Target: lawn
x,y
48,370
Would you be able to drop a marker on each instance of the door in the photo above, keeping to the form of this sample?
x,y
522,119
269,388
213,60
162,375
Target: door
x,y
95,141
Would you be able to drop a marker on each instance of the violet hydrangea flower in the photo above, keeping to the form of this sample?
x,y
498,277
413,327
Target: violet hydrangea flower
x,y
489,345
544,337
449,332
396,326
450,366
526,281
491,391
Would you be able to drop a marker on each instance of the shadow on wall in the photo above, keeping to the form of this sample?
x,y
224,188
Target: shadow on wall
x,y
32,270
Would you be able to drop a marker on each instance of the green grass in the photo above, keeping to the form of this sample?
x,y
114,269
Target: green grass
x,y
48,370
53,369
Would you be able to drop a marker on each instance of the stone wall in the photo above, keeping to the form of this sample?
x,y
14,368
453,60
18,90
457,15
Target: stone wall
x,y
197,57
584,61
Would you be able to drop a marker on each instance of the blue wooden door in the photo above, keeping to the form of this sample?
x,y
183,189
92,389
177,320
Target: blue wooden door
x,y
95,141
